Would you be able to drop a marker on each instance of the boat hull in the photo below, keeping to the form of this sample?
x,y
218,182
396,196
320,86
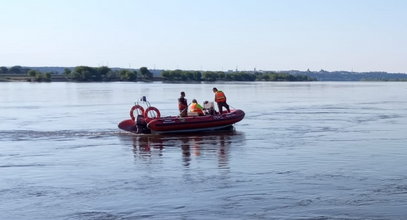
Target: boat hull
x,y
128,125
175,124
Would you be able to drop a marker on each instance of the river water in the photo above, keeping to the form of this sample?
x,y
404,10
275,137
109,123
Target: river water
x,y
309,150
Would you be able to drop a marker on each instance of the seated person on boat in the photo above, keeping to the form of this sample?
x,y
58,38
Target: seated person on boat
x,y
195,108
208,108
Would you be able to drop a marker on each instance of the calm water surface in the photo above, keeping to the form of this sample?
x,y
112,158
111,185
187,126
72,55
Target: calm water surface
x,y
318,150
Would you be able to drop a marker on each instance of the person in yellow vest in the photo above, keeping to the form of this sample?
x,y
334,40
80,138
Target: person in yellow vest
x,y
220,99
195,107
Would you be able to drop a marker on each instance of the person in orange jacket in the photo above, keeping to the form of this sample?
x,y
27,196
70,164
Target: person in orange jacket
x,y
195,107
220,99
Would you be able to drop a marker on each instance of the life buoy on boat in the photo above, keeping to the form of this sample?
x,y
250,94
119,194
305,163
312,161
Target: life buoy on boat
x,y
138,108
156,113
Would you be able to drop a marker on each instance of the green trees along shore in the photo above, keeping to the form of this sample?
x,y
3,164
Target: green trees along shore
x,y
85,73
106,74
180,75
38,76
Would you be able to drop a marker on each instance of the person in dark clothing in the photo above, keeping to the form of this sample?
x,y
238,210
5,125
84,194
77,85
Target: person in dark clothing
x,y
182,105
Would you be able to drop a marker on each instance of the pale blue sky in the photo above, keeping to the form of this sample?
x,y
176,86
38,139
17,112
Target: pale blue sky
x,y
359,35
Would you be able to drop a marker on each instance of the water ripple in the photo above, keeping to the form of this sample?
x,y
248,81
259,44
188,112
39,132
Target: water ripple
x,y
21,135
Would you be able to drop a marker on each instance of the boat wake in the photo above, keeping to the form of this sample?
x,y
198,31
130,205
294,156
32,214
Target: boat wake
x,y
22,135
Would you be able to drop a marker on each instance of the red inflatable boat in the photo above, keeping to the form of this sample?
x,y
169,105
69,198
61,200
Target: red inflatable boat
x,y
150,121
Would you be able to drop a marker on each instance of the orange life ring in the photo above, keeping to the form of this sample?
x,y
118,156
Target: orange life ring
x,y
157,113
136,107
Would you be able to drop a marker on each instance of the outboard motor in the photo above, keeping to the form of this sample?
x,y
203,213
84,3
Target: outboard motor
x,y
141,125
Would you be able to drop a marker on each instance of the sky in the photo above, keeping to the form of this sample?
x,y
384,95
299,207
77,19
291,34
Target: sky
x,y
333,35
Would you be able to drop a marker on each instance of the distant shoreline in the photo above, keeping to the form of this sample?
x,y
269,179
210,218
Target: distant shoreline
x,y
62,78
143,74
25,78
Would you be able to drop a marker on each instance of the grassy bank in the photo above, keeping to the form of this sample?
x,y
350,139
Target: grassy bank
x,y
25,78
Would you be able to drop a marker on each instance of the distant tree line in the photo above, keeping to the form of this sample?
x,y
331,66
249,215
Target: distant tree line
x,y
33,75
37,76
181,75
106,74
14,70
82,74
324,75
274,76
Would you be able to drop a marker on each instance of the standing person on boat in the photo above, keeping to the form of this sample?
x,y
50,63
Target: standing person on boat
x,y
220,99
182,105
195,107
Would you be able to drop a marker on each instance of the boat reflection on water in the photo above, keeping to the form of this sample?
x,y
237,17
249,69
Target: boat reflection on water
x,y
201,145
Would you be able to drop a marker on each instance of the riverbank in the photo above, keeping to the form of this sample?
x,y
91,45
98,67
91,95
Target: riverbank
x,y
26,78
62,78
